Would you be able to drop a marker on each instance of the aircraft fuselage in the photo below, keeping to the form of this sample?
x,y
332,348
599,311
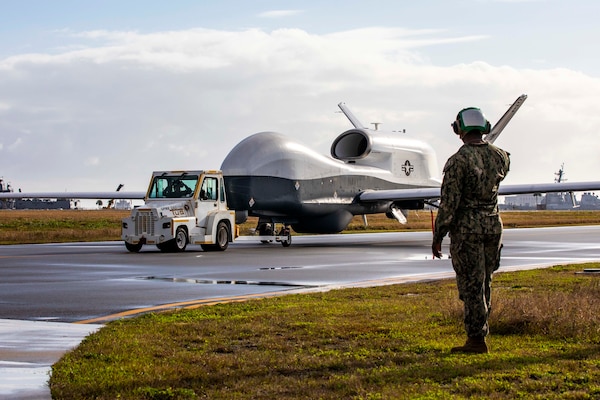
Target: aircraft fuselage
x,y
277,179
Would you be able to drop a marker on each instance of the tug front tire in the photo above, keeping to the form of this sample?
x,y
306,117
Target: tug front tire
x,y
221,239
134,248
177,244
181,239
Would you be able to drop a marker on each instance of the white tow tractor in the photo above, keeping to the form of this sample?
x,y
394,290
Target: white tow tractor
x,y
188,207
181,208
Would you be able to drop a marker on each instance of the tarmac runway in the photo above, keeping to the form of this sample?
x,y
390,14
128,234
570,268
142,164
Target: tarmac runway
x,y
54,295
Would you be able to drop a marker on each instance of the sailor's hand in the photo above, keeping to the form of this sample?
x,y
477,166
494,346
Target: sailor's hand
x,y
436,249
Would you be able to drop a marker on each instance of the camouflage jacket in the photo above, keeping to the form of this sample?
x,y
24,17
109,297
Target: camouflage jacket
x,y
469,199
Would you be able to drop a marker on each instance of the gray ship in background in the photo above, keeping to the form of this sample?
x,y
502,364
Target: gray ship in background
x,y
31,204
57,203
552,201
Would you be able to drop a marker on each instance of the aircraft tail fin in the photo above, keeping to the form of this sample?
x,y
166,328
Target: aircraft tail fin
x,y
350,116
502,122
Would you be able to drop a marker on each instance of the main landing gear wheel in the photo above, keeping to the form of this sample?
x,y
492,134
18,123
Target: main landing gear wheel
x,y
265,229
286,234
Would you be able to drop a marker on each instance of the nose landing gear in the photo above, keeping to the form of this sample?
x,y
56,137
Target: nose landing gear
x,y
268,233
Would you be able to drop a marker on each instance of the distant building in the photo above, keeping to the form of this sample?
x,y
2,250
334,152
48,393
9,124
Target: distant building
x,y
123,205
521,202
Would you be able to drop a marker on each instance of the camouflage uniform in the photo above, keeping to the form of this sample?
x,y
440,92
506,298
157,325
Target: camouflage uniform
x,y
469,213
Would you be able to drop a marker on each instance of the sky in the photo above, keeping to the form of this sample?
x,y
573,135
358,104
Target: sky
x,y
98,93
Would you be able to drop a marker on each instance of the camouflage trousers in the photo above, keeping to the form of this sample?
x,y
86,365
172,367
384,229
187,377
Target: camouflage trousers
x,y
474,258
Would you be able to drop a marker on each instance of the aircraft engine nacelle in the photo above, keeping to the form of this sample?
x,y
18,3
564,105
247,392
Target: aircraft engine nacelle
x,y
352,145
396,152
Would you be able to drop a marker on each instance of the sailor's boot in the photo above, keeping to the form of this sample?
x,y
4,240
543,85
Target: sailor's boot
x,y
473,345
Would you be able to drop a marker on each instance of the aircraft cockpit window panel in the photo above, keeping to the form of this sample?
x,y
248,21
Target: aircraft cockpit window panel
x,y
209,189
173,187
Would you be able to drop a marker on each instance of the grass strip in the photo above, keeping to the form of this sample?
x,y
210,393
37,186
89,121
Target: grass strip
x,y
56,226
388,342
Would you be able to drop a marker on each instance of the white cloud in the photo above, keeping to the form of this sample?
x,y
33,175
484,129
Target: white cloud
x,y
129,103
16,145
92,161
279,13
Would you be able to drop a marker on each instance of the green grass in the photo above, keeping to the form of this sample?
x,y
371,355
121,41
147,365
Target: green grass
x,y
57,226
48,226
388,342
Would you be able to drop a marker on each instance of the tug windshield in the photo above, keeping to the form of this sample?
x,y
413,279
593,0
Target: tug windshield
x,y
173,187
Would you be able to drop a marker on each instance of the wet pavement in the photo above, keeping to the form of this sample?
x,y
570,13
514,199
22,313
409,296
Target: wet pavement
x,y
27,351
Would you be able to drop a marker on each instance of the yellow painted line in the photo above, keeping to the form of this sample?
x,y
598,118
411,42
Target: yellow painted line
x,y
192,304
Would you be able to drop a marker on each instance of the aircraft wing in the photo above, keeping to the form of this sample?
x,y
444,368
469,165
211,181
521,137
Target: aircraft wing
x,y
504,190
74,195
505,119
